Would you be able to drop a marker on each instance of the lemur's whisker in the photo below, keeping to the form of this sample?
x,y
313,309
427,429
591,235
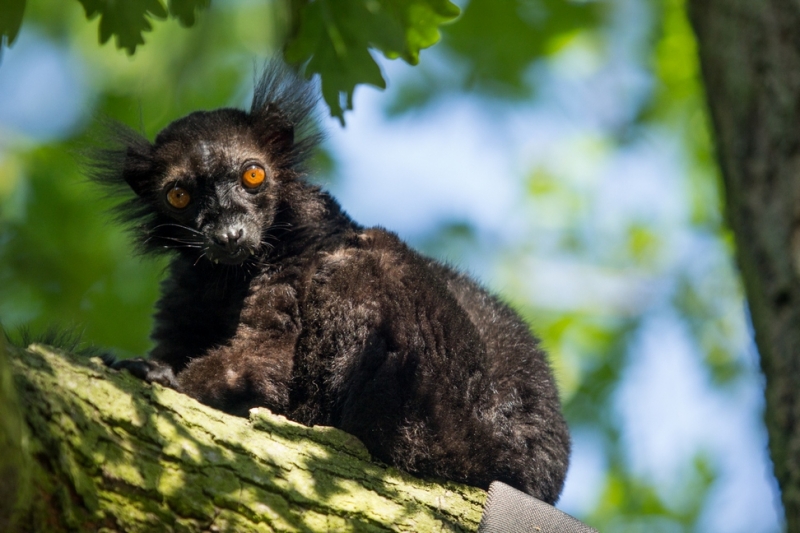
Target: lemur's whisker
x,y
181,226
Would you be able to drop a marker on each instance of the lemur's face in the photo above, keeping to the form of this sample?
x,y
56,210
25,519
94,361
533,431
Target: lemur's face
x,y
213,185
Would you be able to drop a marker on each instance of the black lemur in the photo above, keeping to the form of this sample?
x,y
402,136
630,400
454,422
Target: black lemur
x,y
276,298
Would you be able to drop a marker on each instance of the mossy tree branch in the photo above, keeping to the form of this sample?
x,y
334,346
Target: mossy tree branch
x,y
108,452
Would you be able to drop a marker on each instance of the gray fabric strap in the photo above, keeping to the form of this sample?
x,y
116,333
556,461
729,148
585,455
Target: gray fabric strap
x,y
508,510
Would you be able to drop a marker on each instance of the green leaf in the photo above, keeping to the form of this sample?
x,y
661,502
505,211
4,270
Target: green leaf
x,y
334,40
126,20
420,20
10,21
184,10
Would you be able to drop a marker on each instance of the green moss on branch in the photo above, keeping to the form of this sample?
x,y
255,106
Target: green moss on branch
x,y
112,452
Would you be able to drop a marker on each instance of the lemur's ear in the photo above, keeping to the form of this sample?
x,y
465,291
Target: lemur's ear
x,y
126,164
283,111
137,169
125,170
281,89
279,128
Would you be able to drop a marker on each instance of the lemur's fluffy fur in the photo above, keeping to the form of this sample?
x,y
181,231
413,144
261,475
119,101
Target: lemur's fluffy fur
x,y
276,298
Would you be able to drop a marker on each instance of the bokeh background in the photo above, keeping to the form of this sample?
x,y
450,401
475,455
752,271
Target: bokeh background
x,y
559,151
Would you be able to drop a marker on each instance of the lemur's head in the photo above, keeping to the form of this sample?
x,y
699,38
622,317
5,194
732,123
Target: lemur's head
x,y
212,183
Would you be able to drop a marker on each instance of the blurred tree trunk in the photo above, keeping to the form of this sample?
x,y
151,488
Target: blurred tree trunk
x,y
102,451
750,57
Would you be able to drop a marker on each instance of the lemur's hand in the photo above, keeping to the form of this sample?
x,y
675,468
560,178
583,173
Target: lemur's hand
x,y
145,369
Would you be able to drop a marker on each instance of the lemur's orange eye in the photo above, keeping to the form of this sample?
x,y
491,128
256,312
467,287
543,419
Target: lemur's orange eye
x,y
253,176
178,197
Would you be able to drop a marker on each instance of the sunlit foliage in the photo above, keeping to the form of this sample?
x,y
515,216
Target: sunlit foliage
x,y
334,40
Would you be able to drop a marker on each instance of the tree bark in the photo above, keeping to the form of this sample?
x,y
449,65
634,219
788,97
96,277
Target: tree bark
x,y
15,482
750,58
107,452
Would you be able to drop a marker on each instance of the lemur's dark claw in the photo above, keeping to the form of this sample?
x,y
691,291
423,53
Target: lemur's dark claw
x,y
146,370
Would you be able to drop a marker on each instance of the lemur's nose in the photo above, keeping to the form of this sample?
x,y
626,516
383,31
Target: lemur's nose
x,y
228,238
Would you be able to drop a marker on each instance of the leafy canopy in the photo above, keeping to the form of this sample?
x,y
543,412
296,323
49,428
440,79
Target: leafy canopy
x,y
335,39
331,38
